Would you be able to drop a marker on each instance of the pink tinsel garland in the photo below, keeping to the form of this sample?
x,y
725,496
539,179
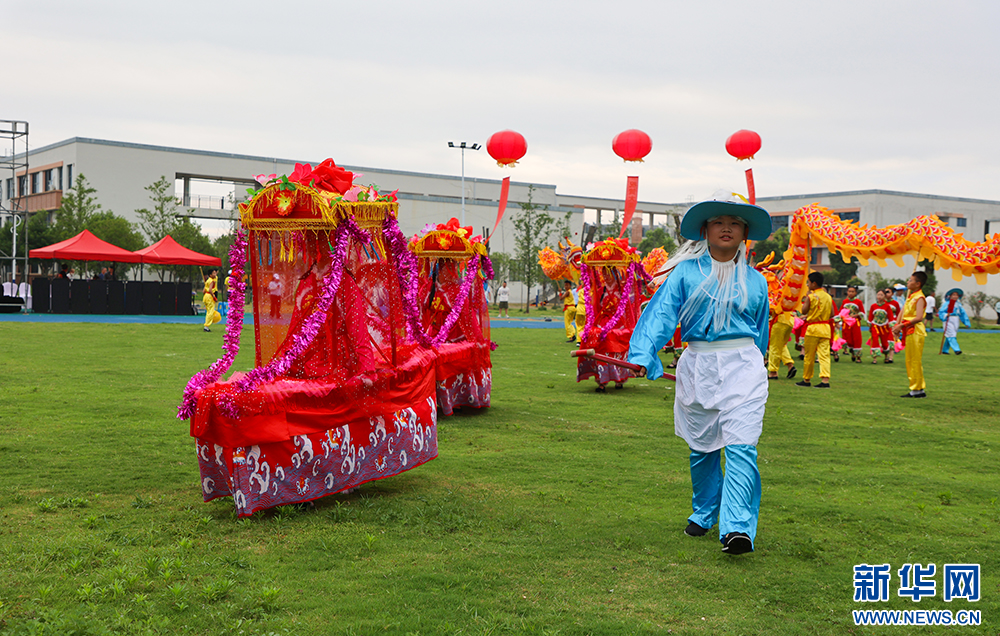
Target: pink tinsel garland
x,y
634,271
301,340
234,325
463,294
616,318
587,301
406,273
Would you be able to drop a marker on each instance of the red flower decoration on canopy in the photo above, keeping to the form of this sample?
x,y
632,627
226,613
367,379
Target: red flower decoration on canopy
x,y
326,176
743,144
632,145
507,147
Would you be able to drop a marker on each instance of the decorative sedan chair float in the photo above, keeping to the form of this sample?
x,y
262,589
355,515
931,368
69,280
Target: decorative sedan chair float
x,y
343,389
613,282
453,267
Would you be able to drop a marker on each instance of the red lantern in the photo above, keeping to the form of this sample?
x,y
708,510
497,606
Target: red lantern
x,y
743,144
507,147
632,145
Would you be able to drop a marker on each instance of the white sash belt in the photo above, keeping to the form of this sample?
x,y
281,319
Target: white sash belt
x,y
720,345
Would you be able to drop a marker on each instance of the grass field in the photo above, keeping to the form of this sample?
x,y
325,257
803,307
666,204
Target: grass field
x,y
556,511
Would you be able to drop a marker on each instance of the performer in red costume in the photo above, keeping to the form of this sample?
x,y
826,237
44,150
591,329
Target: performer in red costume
x,y
852,332
880,320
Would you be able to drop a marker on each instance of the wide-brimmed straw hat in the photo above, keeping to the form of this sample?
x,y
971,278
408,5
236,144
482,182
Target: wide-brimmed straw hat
x,y
757,218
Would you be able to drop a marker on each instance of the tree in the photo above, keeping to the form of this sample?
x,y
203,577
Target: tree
x,y
532,227
40,234
188,234
777,243
977,301
161,220
657,237
841,273
78,206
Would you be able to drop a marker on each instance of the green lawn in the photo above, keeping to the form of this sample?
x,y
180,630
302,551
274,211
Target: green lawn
x,y
556,511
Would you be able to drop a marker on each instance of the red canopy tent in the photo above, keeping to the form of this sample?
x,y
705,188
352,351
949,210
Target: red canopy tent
x,y
86,247
167,251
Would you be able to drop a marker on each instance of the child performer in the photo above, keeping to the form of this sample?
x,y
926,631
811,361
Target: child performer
x,y
852,330
911,328
818,309
951,314
879,318
897,309
569,311
722,305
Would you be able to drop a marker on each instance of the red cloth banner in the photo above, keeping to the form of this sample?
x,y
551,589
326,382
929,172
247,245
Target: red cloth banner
x,y
751,193
631,198
504,191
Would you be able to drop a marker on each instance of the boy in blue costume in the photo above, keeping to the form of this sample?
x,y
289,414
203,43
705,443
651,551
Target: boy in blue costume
x,y
721,303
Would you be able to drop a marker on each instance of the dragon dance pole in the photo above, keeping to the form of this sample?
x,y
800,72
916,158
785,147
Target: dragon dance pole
x,y
590,353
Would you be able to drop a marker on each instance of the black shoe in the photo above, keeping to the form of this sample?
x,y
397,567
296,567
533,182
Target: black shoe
x,y
823,385
920,394
207,329
802,356
772,377
803,383
619,385
694,530
958,353
914,395
737,543
791,373
888,361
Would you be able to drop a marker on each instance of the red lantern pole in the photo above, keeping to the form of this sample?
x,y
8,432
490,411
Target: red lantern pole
x,y
631,145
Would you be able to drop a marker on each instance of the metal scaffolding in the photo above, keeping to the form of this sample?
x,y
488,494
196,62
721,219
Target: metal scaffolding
x,y
13,210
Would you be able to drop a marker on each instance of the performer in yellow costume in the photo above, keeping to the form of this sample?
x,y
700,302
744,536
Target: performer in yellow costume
x,y
911,327
781,329
818,308
211,288
569,311
581,314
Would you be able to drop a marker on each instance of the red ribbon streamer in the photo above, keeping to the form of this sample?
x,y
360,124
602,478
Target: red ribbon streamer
x,y
751,194
631,197
504,191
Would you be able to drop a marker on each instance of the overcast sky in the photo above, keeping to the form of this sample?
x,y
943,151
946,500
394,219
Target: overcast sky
x,y
848,95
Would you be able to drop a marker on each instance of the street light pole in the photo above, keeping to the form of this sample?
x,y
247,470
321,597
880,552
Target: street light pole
x,y
463,146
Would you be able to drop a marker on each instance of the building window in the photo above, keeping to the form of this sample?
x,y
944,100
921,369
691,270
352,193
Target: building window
x,y
69,176
34,183
10,188
778,222
959,221
850,216
22,185
816,257
48,180
59,178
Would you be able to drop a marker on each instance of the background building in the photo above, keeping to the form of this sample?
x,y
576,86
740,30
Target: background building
x,y
210,184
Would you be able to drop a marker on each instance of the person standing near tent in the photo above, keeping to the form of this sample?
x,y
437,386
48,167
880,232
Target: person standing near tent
x,y
210,296
952,313
911,328
722,306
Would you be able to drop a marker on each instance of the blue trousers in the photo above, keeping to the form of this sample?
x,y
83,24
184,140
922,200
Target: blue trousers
x,y
732,499
951,343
